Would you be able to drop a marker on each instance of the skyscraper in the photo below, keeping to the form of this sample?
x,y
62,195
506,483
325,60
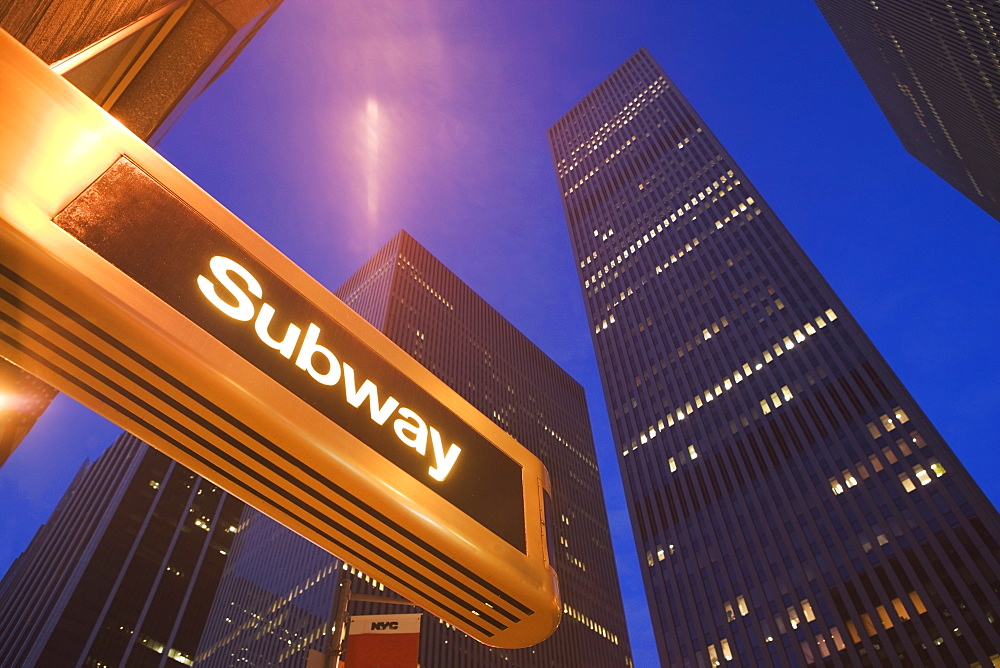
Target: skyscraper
x,y
124,571
934,69
791,503
272,606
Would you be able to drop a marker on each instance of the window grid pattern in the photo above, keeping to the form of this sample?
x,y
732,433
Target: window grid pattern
x,y
740,391
124,571
275,599
934,68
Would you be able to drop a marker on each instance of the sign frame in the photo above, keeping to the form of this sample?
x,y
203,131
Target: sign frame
x,y
78,322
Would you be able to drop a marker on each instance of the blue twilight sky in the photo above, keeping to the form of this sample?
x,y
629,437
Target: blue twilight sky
x,y
346,121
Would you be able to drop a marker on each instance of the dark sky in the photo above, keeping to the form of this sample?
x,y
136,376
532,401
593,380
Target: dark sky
x,y
346,121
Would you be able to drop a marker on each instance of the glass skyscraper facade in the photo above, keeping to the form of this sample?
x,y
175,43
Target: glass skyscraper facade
x,y
124,572
934,69
275,599
791,503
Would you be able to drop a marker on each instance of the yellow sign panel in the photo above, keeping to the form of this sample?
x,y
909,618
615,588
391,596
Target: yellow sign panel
x,y
130,289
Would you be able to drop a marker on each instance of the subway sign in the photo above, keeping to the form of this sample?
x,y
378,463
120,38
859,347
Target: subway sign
x,y
127,287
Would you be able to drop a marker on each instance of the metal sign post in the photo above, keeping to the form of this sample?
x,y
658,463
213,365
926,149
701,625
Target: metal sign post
x,y
341,622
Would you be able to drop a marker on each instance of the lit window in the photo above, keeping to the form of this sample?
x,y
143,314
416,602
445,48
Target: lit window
x,y
907,483
810,330
785,392
742,605
765,407
660,555
873,430
836,486
937,468
788,343
900,609
775,400
824,651
799,336
887,422
692,452
889,455
900,415
876,464
673,464
820,322
850,479
883,616
922,474
807,610
830,315
904,447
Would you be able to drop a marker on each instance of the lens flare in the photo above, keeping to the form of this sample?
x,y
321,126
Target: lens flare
x,y
372,134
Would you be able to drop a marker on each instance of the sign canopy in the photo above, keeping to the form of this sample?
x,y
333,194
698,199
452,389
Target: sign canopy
x,y
127,287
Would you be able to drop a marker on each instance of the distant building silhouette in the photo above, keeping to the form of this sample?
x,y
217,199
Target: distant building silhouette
x,y
124,571
275,598
934,68
791,503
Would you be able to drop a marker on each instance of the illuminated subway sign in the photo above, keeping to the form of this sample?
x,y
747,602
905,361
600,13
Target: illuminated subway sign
x,y
155,238
102,242
411,429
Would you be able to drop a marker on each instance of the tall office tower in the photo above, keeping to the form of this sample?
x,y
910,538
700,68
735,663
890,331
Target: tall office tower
x,y
934,68
144,61
124,572
270,602
791,503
